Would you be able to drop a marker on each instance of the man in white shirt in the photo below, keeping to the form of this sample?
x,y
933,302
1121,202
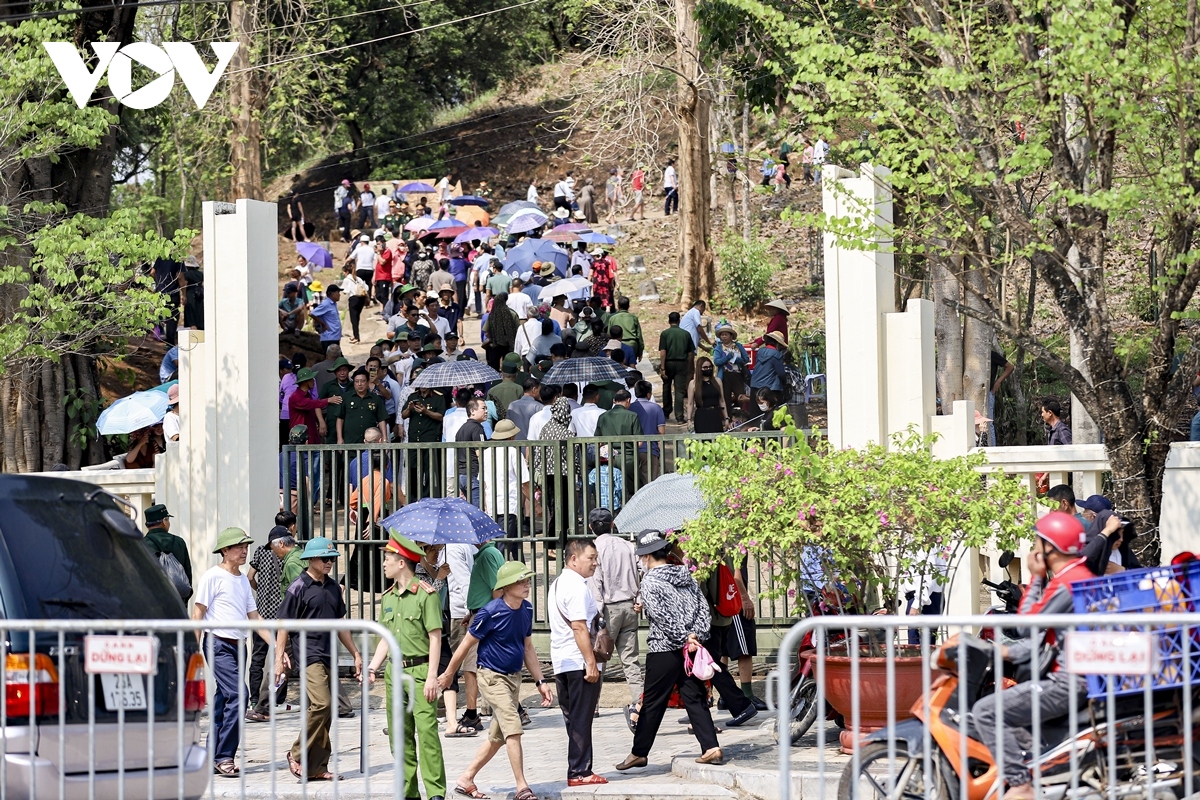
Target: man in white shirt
x,y
573,619
563,193
444,190
506,484
461,559
548,395
670,188
518,301
223,595
531,194
583,419
527,334
381,207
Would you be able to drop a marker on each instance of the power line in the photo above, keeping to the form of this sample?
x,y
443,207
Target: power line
x,y
343,16
385,38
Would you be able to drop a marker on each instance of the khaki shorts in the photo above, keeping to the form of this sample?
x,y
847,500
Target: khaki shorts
x,y
503,692
458,632
638,197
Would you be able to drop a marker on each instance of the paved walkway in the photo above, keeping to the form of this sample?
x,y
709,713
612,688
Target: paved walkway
x,y
749,770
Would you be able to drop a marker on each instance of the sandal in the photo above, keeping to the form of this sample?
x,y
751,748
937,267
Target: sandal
x,y
631,717
325,776
226,769
472,791
294,766
257,716
525,794
462,733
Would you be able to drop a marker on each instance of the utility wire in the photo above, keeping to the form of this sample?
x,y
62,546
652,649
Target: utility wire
x,y
113,7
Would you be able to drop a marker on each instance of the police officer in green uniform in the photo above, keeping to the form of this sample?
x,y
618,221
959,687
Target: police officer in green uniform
x,y
675,353
412,611
360,409
426,468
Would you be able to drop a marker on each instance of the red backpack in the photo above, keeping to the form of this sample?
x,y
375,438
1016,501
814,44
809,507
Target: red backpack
x,y
729,599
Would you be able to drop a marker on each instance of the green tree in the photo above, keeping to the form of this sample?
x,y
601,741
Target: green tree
x,y
1022,137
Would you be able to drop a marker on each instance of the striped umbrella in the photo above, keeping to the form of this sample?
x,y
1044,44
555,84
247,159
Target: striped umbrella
x,y
584,370
664,504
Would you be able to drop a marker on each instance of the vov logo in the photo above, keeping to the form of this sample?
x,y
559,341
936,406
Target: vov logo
x,y
170,58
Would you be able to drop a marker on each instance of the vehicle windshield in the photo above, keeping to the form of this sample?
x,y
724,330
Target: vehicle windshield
x,y
69,564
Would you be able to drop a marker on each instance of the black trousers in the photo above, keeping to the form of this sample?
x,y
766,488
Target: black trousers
x,y
664,671
260,678
383,290
578,700
344,224
513,545
735,701
460,291
426,473
356,307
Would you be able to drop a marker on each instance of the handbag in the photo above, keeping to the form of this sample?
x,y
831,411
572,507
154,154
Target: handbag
x,y
702,667
602,643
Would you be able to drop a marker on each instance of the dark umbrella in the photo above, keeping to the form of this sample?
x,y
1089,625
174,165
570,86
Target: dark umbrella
x,y
470,200
584,370
443,520
455,373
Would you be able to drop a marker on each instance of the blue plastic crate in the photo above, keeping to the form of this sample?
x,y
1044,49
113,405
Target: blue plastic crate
x,y
1147,590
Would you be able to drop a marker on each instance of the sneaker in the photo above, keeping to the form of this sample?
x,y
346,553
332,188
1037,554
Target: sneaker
x,y
744,717
759,703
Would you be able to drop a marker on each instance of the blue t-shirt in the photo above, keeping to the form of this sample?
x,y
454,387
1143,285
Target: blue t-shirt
x,y
327,312
501,632
651,416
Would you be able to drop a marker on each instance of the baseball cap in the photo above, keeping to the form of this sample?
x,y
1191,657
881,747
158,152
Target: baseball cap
x,y
1096,502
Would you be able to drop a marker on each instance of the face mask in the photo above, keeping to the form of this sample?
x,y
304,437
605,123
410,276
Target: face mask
x,y
706,371
764,406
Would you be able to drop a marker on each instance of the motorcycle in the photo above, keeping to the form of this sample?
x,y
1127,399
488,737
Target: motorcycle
x,y
1009,594
1060,754
803,697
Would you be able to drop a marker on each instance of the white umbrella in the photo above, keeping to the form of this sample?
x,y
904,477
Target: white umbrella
x,y
554,290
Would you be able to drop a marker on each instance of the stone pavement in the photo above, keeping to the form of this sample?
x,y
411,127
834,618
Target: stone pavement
x,y
749,771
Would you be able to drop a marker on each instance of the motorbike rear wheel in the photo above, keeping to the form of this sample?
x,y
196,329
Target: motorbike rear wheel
x,y
803,709
872,780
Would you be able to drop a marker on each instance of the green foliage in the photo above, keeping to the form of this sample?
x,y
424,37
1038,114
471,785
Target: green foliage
x,y
872,516
747,266
84,285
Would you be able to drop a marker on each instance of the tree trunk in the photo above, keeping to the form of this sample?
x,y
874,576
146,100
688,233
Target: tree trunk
x,y
746,225
70,389
246,151
697,276
947,335
977,342
29,455
88,389
8,416
55,429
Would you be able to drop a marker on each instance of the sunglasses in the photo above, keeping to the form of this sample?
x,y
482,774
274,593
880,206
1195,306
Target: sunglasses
x,y
323,559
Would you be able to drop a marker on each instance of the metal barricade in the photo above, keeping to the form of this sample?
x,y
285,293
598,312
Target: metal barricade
x,y
910,713
539,491
126,709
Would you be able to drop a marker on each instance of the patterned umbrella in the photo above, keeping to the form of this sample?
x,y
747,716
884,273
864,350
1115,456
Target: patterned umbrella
x,y
525,223
663,504
445,224
584,370
455,373
511,209
138,410
443,520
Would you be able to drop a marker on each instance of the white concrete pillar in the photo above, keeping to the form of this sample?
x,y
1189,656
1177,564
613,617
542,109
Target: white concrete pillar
x,y
957,437
240,355
1180,499
859,290
910,390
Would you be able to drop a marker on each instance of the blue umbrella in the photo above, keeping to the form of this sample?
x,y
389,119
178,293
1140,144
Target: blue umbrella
x,y
479,233
316,255
520,258
138,410
165,387
418,188
442,224
443,520
470,200
596,238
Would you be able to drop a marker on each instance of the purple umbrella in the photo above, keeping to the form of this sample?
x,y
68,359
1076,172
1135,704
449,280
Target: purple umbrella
x,y
442,224
470,200
418,188
476,235
526,223
316,255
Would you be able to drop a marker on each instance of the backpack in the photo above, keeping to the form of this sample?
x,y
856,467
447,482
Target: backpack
x,y
729,599
793,378
175,574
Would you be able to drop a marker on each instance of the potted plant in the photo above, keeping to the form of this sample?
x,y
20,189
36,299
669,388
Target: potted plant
x,y
855,525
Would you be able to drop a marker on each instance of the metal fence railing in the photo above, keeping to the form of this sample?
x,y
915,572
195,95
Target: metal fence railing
x,y
115,709
539,491
1116,714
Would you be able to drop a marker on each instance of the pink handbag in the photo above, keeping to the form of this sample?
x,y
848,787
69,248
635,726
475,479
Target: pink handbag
x,y
702,666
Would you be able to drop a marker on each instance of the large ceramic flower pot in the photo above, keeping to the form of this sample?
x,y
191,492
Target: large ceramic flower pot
x,y
872,688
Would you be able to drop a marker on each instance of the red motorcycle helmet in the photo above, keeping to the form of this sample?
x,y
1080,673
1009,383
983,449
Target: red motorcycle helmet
x,y
1062,531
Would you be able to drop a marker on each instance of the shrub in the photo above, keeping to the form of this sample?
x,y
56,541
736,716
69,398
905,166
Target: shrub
x,y
746,270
